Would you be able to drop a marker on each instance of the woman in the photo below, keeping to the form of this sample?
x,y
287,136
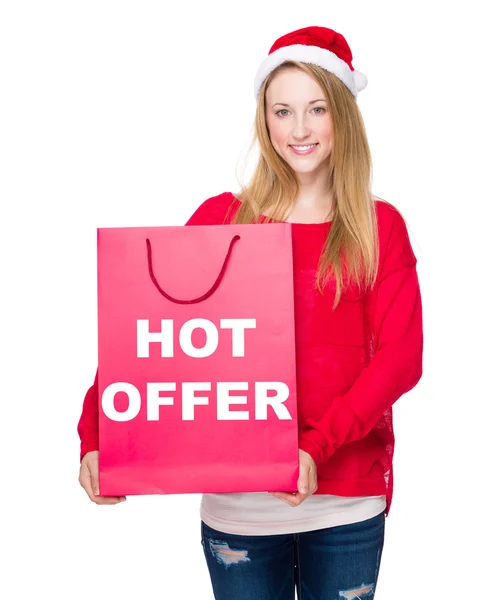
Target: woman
x,y
359,339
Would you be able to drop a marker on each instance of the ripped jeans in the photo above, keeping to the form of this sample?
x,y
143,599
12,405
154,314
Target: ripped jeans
x,y
335,563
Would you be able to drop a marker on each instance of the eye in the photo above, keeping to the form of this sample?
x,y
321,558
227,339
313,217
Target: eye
x,y
320,110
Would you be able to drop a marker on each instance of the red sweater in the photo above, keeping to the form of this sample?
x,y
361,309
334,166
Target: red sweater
x,y
352,363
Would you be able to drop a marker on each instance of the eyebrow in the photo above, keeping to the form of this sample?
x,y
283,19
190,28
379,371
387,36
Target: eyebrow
x,y
312,102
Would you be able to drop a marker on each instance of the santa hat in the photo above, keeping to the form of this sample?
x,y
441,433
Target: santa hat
x,y
317,45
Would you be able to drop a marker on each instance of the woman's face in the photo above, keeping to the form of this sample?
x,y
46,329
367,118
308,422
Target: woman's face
x,y
297,116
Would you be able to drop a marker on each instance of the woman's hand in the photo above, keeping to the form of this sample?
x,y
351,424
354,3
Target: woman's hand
x,y
88,479
306,484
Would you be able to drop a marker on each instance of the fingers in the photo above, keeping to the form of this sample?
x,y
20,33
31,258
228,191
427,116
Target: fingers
x,y
109,499
94,482
308,486
97,499
85,480
88,479
293,500
306,483
307,478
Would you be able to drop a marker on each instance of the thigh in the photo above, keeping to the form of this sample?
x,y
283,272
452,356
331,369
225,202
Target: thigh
x,y
249,567
341,563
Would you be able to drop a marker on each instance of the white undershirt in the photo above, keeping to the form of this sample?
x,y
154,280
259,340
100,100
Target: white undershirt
x,y
259,513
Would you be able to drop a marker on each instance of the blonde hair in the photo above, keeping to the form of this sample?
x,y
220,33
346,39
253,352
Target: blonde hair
x,y
273,187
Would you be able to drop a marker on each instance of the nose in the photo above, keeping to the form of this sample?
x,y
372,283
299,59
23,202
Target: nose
x,y
300,129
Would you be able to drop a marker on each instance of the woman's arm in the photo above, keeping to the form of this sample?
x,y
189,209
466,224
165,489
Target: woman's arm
x,y
396,364
210,212
88,424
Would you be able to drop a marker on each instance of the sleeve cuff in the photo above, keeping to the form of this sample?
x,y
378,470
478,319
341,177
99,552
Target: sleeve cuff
x,y
88,446
307,444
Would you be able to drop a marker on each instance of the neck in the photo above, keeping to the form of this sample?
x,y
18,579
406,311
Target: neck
x,y
313,195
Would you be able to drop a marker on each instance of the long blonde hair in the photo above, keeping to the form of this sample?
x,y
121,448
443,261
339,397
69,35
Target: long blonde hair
x,y
273,187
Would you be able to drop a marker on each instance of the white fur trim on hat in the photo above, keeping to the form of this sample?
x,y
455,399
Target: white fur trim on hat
x,y
360,80
354,80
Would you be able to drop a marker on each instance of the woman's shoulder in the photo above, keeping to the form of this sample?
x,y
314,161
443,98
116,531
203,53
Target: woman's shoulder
x,y
214,210
388,217
385,209
393,232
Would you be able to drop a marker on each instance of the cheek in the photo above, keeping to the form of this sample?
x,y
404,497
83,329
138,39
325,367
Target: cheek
x,y
277,134
327,131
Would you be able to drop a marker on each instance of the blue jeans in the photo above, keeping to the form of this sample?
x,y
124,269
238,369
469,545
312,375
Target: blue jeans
x,y
326,564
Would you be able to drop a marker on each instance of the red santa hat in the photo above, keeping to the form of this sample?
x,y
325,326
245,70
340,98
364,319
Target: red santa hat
x,y
317,45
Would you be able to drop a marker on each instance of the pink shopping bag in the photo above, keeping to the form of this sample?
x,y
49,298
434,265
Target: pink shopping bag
x,y
197,386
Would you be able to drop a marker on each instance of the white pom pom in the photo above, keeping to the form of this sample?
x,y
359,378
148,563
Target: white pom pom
x,y
360,80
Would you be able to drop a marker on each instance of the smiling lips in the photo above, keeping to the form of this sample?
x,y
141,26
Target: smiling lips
x,y
302,150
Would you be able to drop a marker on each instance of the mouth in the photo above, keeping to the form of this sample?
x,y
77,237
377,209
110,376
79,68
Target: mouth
x,y
303,148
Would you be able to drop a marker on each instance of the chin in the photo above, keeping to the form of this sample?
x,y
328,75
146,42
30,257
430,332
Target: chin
x,y
305,169
299,166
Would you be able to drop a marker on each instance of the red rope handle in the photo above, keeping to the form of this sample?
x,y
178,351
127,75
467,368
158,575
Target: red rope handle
x,y
200,298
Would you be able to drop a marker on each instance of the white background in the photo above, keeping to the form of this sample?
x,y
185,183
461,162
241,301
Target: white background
x,y
133,113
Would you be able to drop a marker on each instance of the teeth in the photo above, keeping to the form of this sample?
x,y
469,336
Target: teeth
x,y
303,147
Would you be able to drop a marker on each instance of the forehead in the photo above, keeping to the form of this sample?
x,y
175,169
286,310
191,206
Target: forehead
x,y
292,85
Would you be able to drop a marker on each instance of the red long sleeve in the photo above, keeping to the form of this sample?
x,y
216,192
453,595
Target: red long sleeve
x,y
211,211
396,365
88,424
